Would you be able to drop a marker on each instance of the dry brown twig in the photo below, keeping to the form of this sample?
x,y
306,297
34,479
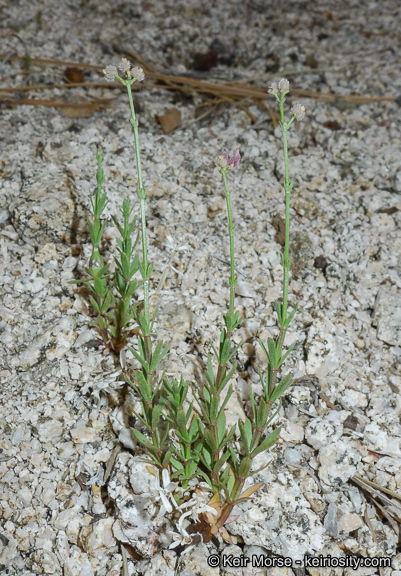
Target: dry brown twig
x,y
392,512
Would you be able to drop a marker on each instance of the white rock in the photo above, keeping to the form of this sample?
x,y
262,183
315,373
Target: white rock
x,y
9,552
245,290
47,496
83,435
50,429
65,517
349,523
378,439
78,564
98,534
338,462
269,520
195,563
141,480
291,432
62,546
387,316
17,436
320,431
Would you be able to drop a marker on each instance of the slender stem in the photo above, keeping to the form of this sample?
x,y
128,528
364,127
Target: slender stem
x,y
222,366
286,257
287,187
141,195
231,233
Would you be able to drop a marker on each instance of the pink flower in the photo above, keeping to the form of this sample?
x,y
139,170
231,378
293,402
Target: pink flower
x,y
224,162
235,159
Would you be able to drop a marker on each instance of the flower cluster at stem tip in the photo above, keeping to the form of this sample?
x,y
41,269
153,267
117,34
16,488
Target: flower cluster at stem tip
x,y
135,73
282,88
227,164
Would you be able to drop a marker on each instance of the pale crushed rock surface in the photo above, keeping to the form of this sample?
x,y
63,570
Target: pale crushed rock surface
x,y
61,410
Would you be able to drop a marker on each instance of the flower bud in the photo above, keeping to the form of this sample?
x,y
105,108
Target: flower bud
x,y
273,88
284,85
125,65
222,160
298,111
137,73
110,72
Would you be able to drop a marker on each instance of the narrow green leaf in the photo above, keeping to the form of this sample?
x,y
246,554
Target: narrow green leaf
x,y
221,426
252,398
214,350
272,352
165,435
209,372
207,457
285,383
176,463
290,317
263,348
225,350
189,411
193,430
125,265
206,395
156,414
233,352
226,378
205,415
206,478
245,467
191,469
210,440
221,461
181,420
230,482
94,304
142,439
134,266
267,442
214,406
106,302
227,398
229,436
262,413
158,355
244,437
248,431
234,458
100,286
100,232
282,359
143,386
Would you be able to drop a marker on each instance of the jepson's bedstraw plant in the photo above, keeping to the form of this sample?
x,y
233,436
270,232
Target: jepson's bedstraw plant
x,y
187,444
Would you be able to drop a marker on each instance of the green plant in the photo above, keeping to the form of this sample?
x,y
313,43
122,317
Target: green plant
x,y
184,442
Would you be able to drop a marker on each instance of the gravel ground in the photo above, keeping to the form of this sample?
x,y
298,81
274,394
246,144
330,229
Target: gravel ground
x,y
74,497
